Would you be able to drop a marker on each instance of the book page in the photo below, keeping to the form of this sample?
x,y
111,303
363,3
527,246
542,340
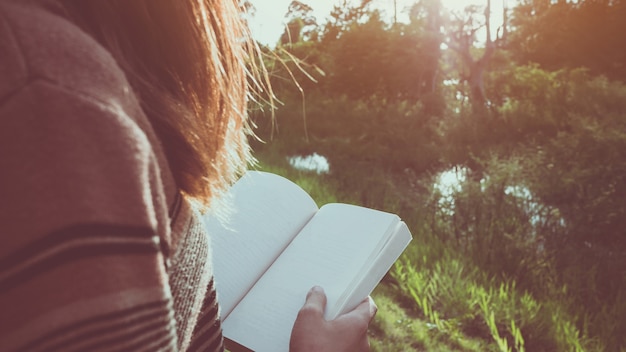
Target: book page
x,y
329,251
267,211
377,267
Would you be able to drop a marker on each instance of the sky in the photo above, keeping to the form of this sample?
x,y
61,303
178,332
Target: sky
x,y
268,22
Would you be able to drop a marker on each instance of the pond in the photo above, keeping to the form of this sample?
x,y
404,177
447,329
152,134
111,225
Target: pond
x,y
313,162
449,184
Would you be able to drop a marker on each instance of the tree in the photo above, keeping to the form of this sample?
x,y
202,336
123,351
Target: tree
x,y
462,39
301,24
344,16
570,34
426,22
358,59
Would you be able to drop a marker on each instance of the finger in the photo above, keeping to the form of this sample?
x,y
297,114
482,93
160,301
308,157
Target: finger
x,y
316,298
366,310
373,307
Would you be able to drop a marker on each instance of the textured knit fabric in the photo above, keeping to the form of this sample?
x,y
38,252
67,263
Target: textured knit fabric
x,y
98,250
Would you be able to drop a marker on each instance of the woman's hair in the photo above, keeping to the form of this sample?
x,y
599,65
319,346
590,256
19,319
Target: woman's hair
x,y
186,60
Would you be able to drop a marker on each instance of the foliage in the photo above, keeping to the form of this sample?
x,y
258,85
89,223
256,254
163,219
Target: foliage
x,y
562,137
343,18
368,142
301,24
571,34
359,55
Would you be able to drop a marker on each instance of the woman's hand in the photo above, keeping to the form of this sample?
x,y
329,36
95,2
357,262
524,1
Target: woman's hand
x,y
348,332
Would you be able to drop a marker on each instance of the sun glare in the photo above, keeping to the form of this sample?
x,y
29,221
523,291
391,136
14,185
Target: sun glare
x,y
268,22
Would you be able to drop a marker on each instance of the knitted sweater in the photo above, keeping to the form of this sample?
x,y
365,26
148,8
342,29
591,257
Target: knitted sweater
x,y
98,249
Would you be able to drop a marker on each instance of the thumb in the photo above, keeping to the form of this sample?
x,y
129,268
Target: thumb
x,y
316,299
366,310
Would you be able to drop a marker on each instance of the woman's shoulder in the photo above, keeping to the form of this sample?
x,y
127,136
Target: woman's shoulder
x,y
39,44
71,128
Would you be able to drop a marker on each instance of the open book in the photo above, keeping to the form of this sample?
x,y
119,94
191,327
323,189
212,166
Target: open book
x,y
276,244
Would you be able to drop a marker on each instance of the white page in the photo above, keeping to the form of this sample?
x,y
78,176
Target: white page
x,y
377,268
267,211
332,248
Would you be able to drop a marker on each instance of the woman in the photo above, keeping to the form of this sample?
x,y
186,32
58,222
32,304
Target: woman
x,y
116,116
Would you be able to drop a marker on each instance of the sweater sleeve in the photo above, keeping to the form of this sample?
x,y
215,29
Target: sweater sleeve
x,y
80,260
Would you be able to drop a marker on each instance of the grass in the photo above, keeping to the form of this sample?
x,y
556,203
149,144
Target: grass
x,y
397,328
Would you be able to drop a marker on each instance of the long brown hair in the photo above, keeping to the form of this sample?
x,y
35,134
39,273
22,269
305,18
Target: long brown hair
x,y
186,60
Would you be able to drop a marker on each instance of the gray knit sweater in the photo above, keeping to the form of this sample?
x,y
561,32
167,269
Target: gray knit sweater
x,y
98,250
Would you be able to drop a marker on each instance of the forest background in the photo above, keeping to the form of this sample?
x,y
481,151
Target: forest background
x,y
525,249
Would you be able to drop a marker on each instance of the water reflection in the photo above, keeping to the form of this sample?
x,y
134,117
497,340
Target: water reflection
x,y
313,162
449,184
